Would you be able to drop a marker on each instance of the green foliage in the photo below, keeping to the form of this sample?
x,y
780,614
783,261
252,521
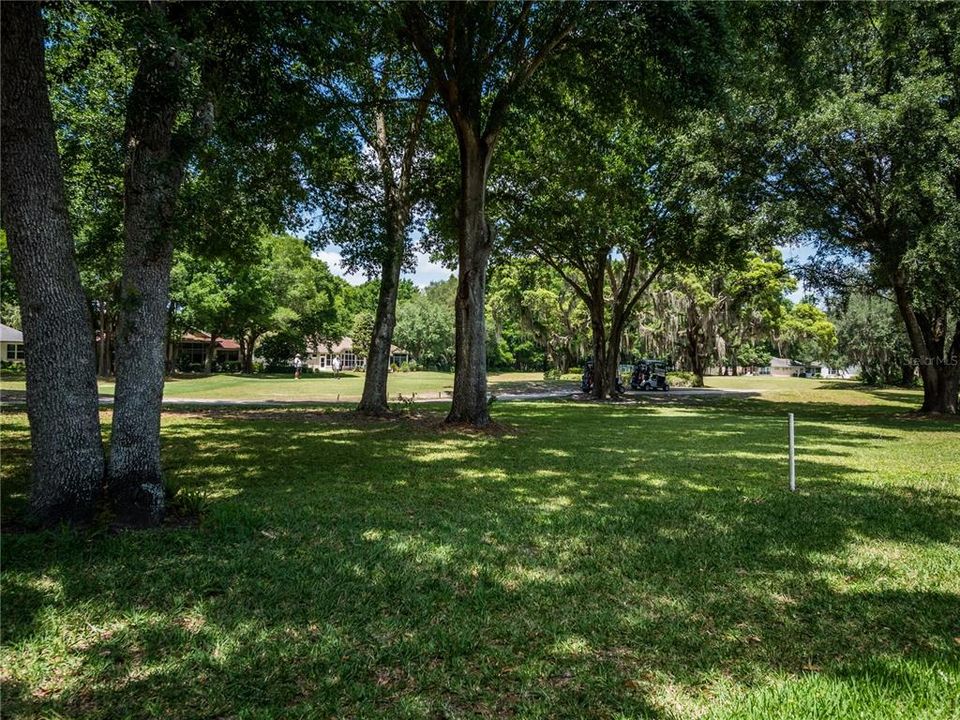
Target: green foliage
x,y
278,349
278,289
534,315
868,166
807,333
752,356
683,379
9,300
361,332
870,334
499,356
364,297
425,325
13,368
185,501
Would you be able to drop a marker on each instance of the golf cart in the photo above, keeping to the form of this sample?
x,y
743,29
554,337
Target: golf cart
x,y
649,375
586,380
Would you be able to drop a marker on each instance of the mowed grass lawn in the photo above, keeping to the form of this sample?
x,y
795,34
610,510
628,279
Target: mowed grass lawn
x,y
609,561
312,387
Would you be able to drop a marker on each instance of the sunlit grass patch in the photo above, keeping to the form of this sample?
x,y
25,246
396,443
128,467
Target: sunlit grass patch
x,y
642,560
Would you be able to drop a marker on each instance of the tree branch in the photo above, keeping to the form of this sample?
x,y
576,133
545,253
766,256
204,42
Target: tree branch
x,y
506,94
643,288
413,137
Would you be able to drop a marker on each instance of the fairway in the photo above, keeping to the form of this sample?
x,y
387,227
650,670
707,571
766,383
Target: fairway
x,y
312,387
586,560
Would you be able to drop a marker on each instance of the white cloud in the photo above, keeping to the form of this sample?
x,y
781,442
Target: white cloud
x,y
335,263
427,271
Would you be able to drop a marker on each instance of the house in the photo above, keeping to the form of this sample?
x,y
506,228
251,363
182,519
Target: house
x,y
321,358
785,367
840,372
193,346
11,344
782,367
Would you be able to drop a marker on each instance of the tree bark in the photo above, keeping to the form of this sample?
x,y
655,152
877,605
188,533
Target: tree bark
x,y
939,364
62,404
460,76
598,331
152,176
374,399
210,354
695,354
247,352
475,240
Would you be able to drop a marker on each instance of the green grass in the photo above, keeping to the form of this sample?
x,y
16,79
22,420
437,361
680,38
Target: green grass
x,y
311,387
610,561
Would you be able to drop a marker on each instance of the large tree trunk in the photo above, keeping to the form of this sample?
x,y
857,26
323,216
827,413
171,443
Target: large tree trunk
x,y
62,404
151,181
475,243
374,399
606,346
937,361
606,350
247,353
210,354
695,355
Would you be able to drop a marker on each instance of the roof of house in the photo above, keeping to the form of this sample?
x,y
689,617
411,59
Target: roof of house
x,y
783,362
9,334
344,346
202,337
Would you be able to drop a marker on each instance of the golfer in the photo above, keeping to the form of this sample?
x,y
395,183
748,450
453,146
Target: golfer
x,y
297,366
336,366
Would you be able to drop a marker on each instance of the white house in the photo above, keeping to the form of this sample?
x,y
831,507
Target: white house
x,y
780,367
321,358
785,367
11,344
840,372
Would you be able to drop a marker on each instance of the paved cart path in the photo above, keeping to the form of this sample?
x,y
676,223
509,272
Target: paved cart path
x,y
17,398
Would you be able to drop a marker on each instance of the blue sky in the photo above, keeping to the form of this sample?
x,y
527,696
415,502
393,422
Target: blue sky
x,y
793,254
427,271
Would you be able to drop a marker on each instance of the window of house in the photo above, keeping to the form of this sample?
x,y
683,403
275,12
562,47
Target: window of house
x,y
15,351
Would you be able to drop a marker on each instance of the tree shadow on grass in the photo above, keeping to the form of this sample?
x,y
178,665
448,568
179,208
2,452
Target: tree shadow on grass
x,y
601,561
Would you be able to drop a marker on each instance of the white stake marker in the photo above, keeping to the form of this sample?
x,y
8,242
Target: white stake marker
x,y
793,469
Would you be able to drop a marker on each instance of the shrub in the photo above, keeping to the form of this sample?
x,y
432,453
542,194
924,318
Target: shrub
x,y
552,374
575,370
681,378
394,367
280,367
405,367
186,501
258,366
413,366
